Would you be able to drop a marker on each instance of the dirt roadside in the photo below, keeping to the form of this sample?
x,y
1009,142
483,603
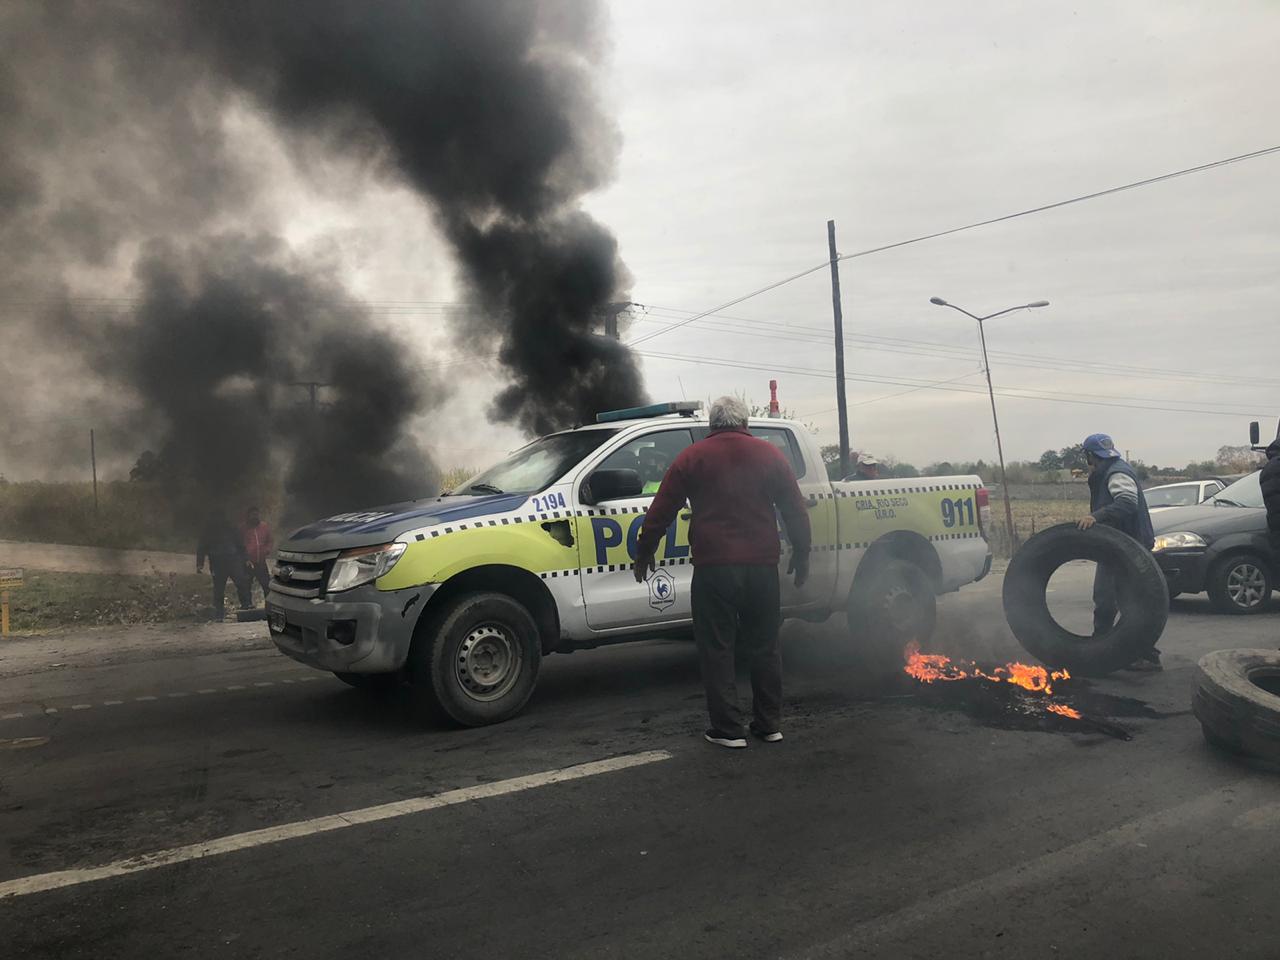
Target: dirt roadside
x,y
64,558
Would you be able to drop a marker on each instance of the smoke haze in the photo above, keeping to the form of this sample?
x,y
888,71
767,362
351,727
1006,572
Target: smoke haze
x,y
145,280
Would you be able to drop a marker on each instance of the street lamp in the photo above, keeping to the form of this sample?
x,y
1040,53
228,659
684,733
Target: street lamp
x,y
1004,480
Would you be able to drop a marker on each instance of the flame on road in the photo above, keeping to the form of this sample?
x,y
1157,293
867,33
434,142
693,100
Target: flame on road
x,y
928,667
935,667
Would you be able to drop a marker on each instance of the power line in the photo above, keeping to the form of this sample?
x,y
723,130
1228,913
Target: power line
x,y
946,351
944,385
970,226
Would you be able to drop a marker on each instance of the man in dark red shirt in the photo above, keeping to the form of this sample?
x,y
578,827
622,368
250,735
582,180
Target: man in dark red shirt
x,y
734,482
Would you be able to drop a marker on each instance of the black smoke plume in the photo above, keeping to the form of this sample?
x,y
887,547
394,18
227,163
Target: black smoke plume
x,y
486,108
227,343
116,177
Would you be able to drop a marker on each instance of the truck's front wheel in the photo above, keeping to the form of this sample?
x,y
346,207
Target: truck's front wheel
x,y
476,659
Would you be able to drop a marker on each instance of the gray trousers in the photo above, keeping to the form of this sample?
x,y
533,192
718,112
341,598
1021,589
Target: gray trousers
x,y
738,606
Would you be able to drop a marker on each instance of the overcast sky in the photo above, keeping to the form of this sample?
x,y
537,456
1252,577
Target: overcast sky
x,y
747,125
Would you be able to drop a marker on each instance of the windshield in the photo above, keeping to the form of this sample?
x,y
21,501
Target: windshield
x,y
536,466
1180,496
1243,493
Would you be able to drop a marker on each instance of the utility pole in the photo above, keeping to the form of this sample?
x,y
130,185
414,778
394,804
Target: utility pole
x,y
611,312
93,463
313,387
843,410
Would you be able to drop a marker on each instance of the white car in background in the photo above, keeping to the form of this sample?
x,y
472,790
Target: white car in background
x,y
1187,494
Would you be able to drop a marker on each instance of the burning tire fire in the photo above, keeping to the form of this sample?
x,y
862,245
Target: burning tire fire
x,y
934,668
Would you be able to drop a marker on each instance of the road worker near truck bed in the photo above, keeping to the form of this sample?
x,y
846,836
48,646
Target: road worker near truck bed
x,y
733,482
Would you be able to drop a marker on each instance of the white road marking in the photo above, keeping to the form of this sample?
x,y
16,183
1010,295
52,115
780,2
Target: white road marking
x,y
23,743
999,885
41,882
18,715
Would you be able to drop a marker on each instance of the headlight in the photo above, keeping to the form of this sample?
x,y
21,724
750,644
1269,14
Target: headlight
x,y
363,565
1178,541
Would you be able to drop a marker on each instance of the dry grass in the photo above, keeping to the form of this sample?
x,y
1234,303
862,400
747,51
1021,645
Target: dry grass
x,y
49,600
1030,517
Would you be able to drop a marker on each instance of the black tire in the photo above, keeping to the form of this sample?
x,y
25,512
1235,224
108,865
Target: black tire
x,y
1141,592
377,684
476,659
890,605
1240,584
1236,714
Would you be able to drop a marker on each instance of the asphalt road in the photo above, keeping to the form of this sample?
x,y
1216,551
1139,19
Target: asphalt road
x,y
892,822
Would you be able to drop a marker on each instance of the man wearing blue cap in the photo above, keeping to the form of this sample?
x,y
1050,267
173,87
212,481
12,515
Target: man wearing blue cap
x,y
1116,500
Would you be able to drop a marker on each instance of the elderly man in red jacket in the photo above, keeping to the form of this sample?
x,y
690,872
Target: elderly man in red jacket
x,y
734,482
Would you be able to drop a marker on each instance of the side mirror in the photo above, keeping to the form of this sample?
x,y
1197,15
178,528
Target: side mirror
x,y
1254,433
611,485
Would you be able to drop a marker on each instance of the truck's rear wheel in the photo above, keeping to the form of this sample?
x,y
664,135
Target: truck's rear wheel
x,y
476,659
889,606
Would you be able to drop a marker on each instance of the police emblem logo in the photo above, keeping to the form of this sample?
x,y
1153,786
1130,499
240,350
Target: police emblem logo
x,y
662,590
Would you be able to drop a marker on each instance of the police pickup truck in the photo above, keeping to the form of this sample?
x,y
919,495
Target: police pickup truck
x,y
461,596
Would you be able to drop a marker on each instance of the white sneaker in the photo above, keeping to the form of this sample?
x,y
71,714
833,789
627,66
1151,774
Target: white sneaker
x,y
722,739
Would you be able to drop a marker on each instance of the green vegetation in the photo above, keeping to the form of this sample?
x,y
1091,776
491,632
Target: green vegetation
x,y
49,600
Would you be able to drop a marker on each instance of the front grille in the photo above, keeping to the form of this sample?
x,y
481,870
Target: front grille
x,y
302,574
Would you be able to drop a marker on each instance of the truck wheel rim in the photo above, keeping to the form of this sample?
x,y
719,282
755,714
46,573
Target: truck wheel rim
x,y
1245,584
488,663
901,609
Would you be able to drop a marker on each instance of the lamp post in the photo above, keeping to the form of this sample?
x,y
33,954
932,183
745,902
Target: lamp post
x,y
982,336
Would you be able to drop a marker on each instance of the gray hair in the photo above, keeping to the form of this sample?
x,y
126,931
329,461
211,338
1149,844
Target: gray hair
x,y
728,413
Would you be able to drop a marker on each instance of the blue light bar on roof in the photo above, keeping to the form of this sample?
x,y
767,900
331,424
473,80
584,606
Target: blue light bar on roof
x,y
685,408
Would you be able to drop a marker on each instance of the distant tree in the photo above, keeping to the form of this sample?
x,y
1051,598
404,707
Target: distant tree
x,y
1142,471
1050,460
148,467
1072,458
1198,471
1238,459
903,470
943,468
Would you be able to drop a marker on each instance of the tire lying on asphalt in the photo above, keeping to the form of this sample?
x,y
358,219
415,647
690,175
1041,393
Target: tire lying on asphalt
x,y
892,603
1237,701
476,659
1141,592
